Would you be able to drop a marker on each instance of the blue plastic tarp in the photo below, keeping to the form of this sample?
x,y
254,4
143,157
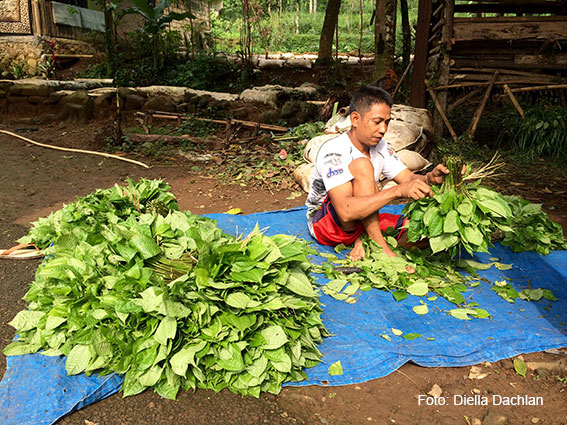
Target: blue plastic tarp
x,y
36,389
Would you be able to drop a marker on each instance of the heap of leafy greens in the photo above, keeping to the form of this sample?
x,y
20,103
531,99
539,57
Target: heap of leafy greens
x,y
434,276
133,286
468,215
532,229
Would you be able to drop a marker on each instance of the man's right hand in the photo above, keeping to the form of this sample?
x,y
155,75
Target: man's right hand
x,y
415,189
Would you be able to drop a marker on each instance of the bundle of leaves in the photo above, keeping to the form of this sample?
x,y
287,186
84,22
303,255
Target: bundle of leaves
x,y
132,286
459,215
532,229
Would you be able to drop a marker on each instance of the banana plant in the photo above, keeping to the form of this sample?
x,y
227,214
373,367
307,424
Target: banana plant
x,y
155,19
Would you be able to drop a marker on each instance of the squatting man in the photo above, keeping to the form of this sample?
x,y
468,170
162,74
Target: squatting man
x,y
344,200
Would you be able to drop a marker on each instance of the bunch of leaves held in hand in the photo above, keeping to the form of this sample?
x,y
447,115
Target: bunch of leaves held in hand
x,y
168,299
532,229
458,215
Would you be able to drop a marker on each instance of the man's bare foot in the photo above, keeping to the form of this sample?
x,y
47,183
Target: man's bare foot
x,y
358,251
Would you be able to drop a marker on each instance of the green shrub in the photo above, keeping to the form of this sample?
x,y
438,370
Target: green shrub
x,y
542,133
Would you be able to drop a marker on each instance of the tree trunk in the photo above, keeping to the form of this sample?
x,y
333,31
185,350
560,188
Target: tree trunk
x,y
384,37
406,30
110,38
314,9
328,31
297,16
310,7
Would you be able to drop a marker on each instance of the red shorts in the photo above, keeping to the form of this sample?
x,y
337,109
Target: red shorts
x,y
328,231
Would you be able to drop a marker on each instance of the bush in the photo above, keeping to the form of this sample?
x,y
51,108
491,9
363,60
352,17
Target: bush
x,y
543,132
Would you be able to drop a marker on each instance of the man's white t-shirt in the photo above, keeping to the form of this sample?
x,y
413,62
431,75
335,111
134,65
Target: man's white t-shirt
x,y
331,168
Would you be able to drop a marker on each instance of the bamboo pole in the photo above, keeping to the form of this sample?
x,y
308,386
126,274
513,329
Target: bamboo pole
x,y
499,83
441,112
480,109
406,72
536,88
59,148
463,99
253,124
514,100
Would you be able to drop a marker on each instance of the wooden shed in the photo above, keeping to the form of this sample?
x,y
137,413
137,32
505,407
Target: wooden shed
x,y
73,23
505,45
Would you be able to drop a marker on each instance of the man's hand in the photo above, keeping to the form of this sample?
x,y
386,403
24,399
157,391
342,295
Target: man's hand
x,y
436,175
415,189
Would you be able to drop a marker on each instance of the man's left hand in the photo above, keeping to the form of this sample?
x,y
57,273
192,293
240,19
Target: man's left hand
x,y
436,175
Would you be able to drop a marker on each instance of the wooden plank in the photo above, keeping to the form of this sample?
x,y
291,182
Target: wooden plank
x,y
501,71
417,99
503,63
555,29
554,7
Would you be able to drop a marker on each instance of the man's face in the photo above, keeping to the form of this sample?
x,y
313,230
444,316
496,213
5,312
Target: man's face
x,y
372,125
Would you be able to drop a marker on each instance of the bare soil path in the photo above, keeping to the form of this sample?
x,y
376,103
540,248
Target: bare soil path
x,y
36,181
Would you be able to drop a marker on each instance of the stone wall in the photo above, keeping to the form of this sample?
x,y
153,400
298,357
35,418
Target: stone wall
x,y
28,49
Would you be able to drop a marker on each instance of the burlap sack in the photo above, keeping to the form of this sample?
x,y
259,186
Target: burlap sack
x,y
302,175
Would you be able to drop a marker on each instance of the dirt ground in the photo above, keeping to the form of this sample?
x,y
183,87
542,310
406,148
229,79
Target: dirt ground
x,y
36,181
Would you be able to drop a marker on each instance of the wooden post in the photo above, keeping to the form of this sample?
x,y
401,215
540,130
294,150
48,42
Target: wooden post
x,y
444,70
480,109
420,58
441,112
514,100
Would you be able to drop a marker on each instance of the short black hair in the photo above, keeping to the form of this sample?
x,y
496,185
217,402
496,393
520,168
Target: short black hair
x,y
367,96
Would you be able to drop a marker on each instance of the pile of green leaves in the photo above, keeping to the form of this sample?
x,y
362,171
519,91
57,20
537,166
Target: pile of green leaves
x,y
459,215
434,276
532,229
133,286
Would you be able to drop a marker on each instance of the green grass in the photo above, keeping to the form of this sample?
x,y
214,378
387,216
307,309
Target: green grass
x,y
282,36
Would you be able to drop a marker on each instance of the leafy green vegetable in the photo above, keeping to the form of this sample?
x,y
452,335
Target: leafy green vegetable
x,y
336,368
532,229
133,286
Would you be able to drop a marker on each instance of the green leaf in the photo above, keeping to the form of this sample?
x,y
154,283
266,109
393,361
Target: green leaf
x,y
452,222
78,359
166,330
300,284
460,313
520,367
26,320
421,309
336,368
411,336
399,295
238,300
274,336
145,245
418,289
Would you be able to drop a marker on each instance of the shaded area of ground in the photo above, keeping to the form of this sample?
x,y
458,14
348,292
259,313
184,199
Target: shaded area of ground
x,y
36,181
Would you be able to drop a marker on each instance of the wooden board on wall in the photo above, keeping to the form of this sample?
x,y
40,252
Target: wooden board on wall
x,y
509,28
